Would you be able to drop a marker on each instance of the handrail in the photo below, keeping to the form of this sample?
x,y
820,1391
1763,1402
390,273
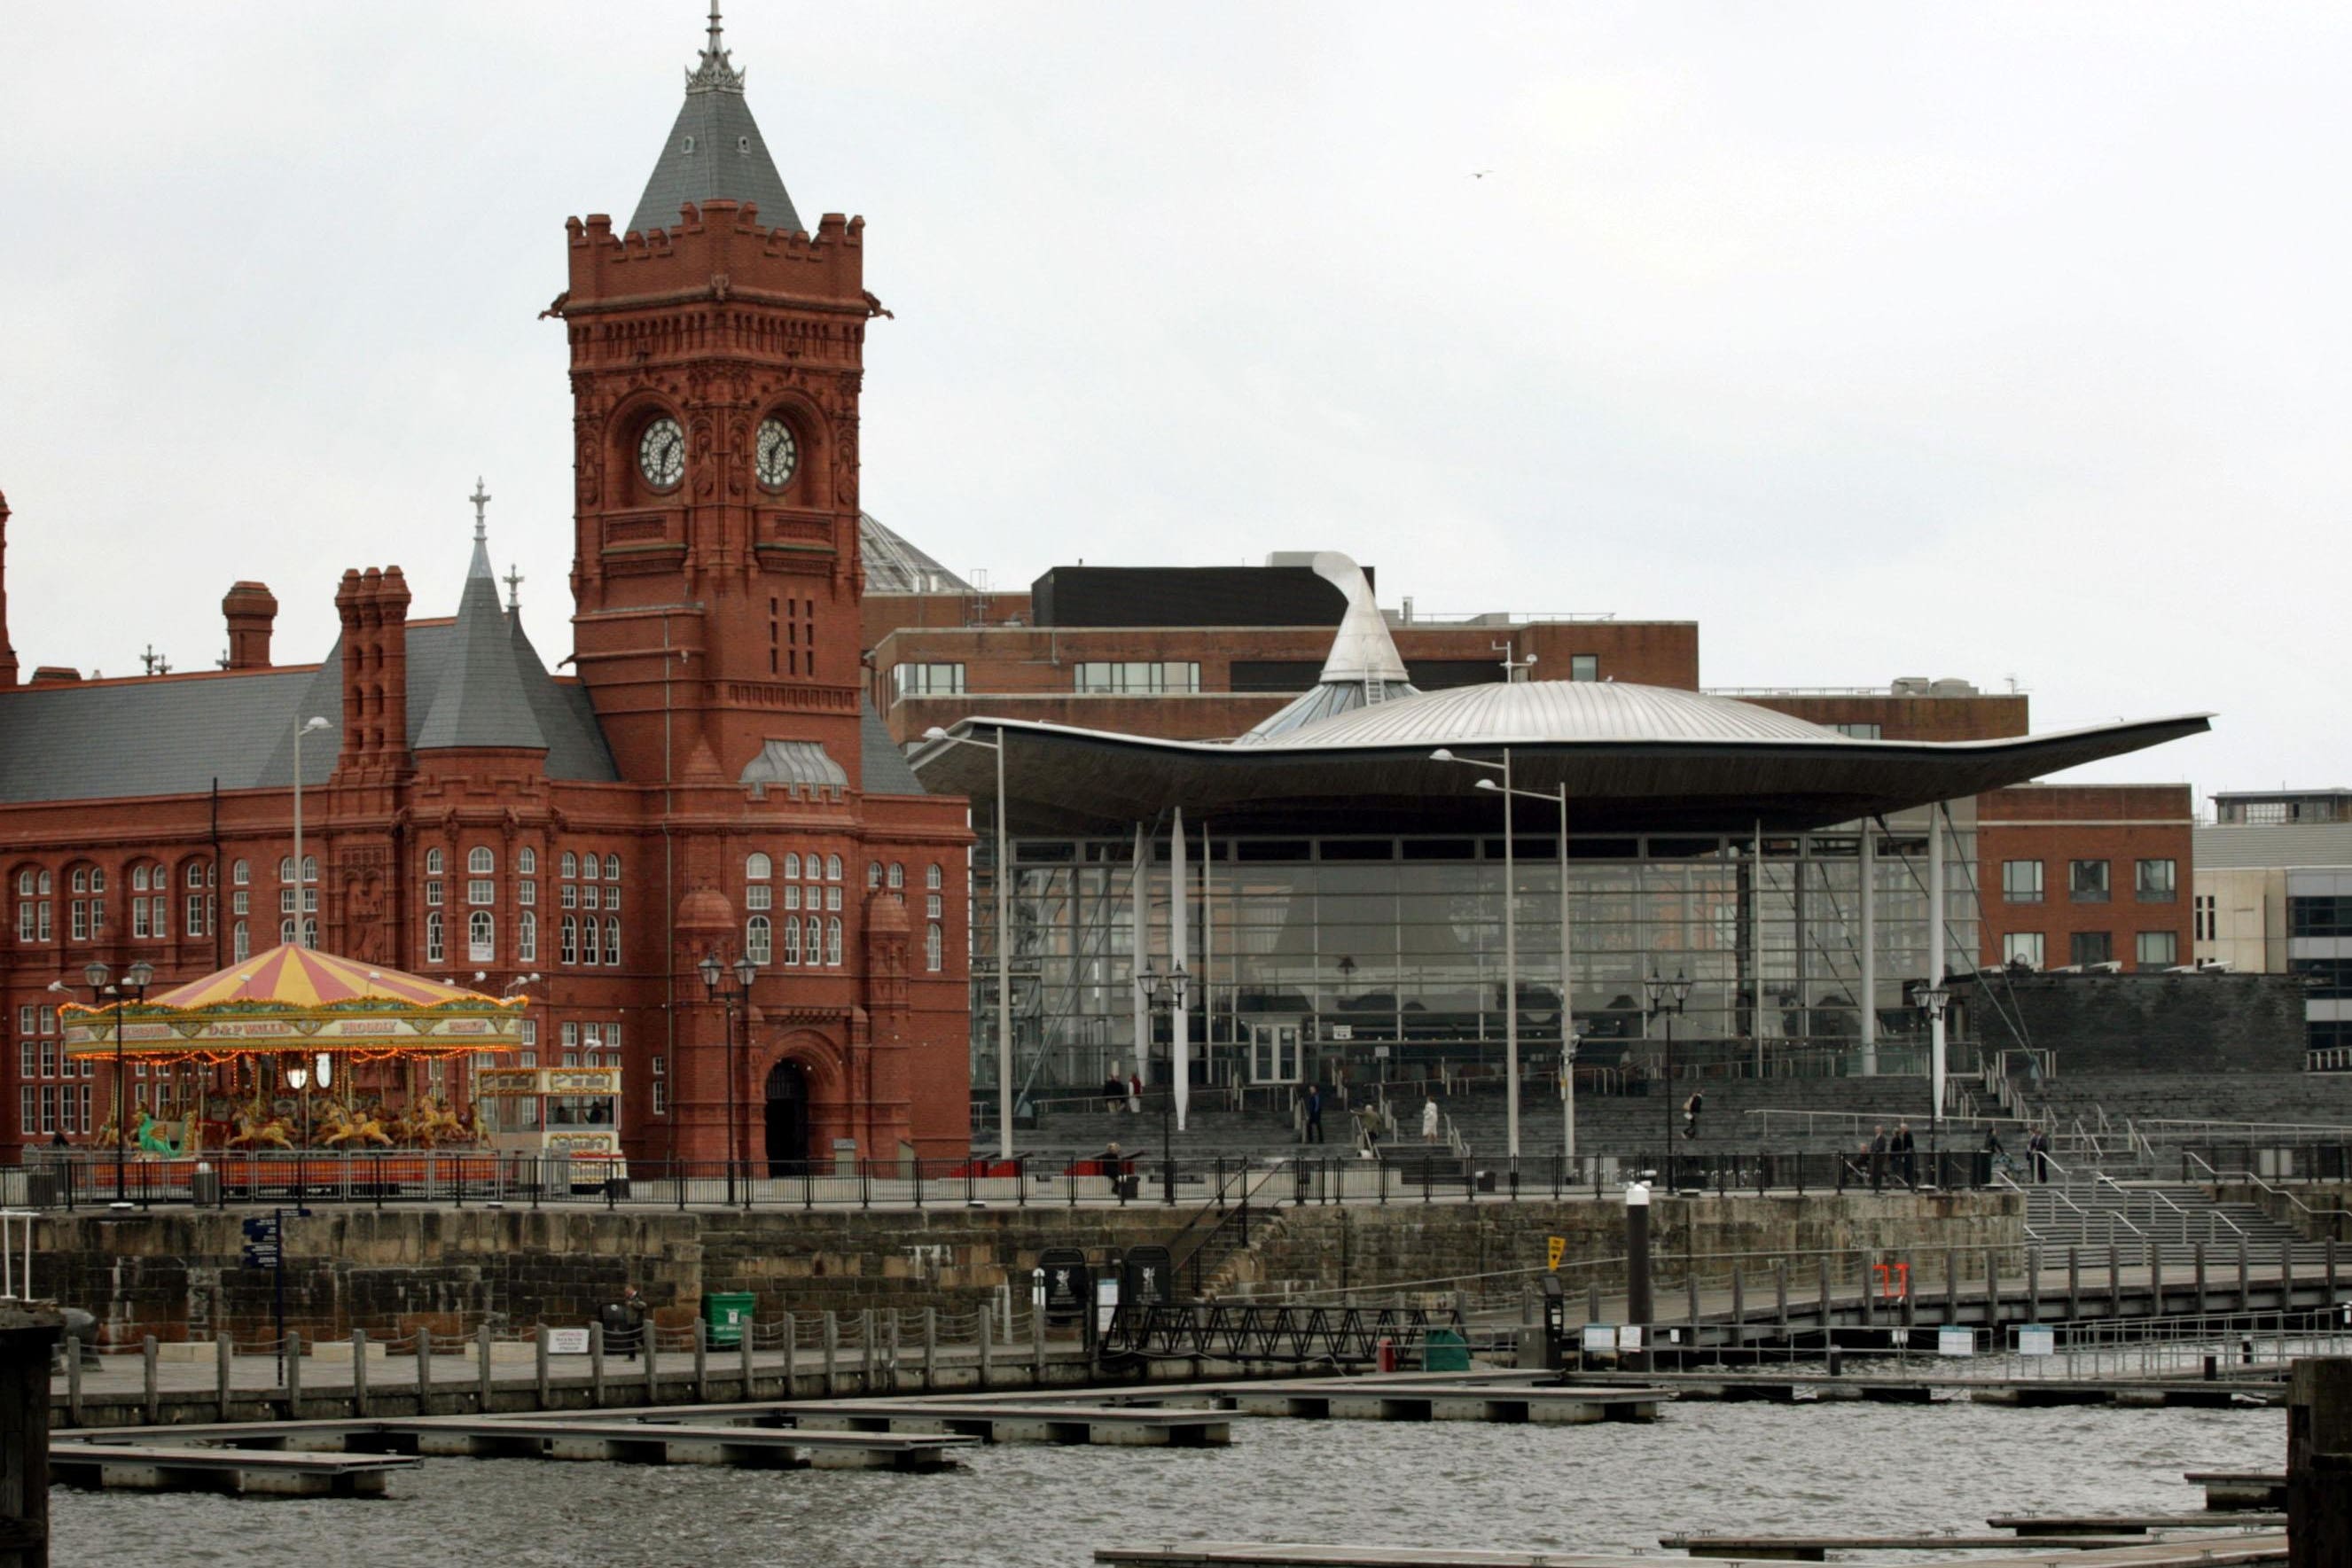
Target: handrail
x,y
2157,1195
2125,1215
2002,1178
1238,1212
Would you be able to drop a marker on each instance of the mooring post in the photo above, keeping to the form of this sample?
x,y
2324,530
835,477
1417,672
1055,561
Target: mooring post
x,y
1951,1286
1639,1313
482,1368
2200,1258
649,1342
2034,1284
791,1348
2074,1284
425,1372
1870,1287
2115,1282
2245,1277
702,1362
985,1335
597,1365
148,1380
744,1360
359,1373
540,1379
224,1363
2331,1267
931,1346
2155,1280
2286,1277
1910,1310
2319,1463
1592,1300
867,1347
832,1354
1781,1295
27,1336
1738,1308
1037,1344
1992,1296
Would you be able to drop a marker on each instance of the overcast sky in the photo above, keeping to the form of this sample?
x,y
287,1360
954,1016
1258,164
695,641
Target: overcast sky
x,y
1984,340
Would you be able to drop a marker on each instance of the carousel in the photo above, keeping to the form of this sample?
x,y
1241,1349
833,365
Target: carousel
x,y
298,1051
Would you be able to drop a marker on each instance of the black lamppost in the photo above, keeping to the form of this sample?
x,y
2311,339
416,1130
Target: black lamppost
x,y
746,971
1167,989
131,987
1666,997
1931,998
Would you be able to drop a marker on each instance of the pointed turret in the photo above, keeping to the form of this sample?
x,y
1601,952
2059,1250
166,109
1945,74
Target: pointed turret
x,y
715,152
482,698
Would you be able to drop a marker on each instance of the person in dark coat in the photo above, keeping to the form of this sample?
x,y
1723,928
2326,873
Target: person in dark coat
x,y
1906,1161
624,1322
1314,1114
2037,1144
1878,1160
1691,1108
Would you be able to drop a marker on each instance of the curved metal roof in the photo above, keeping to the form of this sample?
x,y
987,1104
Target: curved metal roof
x,y
1534,712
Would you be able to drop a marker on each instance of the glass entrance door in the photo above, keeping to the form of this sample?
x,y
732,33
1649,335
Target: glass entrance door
x,y
1273,1053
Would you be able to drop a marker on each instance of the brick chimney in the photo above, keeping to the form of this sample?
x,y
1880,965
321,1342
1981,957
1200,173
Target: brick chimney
x,y
374,606
250,609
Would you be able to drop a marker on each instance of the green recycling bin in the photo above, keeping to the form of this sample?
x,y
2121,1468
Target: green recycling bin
x,y
728,1314
1442,1350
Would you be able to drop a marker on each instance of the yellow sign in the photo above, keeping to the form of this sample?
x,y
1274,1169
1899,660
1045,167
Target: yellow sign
x,y
1555,1248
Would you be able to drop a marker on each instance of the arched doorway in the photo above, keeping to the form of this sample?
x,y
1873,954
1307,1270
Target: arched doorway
x,y
788,1119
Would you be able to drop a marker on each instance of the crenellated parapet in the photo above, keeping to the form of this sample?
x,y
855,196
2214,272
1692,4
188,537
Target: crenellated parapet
x,y
719,251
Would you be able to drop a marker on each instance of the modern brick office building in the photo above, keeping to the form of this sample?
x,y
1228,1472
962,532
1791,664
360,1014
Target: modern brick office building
x,y
709,783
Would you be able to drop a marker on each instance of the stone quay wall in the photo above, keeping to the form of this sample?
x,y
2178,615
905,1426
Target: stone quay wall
x,y
175,1274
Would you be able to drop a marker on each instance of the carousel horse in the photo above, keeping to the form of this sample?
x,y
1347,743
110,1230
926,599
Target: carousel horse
x,y
150,1137
429,1124
343,1127
255,1129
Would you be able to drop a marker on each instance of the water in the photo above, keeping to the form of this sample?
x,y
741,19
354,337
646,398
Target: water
x,y
1845,1468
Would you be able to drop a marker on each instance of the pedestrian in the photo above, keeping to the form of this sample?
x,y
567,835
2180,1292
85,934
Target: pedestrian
x,y
2037,1145
1907,1163
624,1322
1112,1162
1428,1120
1134,1094
1691,1108
1368,1127
1114,1090
1314,1114
1878,1159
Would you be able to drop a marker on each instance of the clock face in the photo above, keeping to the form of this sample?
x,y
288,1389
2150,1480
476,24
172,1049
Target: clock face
x,y
779,454
661,454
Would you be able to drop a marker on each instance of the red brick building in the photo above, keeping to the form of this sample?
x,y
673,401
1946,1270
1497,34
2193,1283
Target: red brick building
x,y
710,782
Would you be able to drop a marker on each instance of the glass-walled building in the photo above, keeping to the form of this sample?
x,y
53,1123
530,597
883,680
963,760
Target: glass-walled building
x,y
1311,954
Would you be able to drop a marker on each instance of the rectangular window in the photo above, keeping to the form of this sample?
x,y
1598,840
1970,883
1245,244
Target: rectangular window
x,y
1859,731
926,681
661,1095
2319,916
2159,950
239,903
2021,881
2156,882
2086,882
571,899
49,1058
432,894
26,1099
45,925
2090,947
526,893
48,1107
81,920
2203,909
481,890
196,917
23,1059
27,1018
286,901
1584,666
23,922
1137,677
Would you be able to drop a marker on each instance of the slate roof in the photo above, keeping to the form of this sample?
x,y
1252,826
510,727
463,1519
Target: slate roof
x,y
882,767
892,565
480,699
715,152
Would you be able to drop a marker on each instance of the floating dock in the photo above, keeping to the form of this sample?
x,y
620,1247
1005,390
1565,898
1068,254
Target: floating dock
x,y
127,1467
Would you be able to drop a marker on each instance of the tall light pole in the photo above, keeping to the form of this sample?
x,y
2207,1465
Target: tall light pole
x,y
746,971
302,887
1567,967
1931,1000
1510,950
1667,999
1167,987
131,987
1004,940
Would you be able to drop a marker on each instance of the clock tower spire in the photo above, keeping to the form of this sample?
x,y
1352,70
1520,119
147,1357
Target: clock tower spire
x,y
716,356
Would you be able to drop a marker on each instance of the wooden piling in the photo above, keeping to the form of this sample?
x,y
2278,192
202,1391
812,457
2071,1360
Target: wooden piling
x,y
149,1384
2074,1284
27,1336
1951,1286
2319,1463
360,1374
482,1368
1780,1294
743,1356
2198,1257
425,1372
792,1354
2245,1277
224,1360
293,1378
539,1367
596,1366
832,1354
2115,1282
931,1346
987,1334
702,1362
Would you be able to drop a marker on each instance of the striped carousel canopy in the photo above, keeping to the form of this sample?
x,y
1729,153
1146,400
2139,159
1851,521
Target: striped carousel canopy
x,y
292,998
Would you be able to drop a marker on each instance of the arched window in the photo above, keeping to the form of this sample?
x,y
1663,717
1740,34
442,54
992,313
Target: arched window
x,y
481,938
285,867
931,878
833,868
756,940
309,868
832,940
240,874
756,867
47,883
311,934
527,938
612,867
195,876
934,949
434,865
569,950
873,875
898,876
793,866
480,861
25,882
612,941
526,861
138,877
815,866
591,867
570,864
97,879
286,933
434,946
791,939
240,942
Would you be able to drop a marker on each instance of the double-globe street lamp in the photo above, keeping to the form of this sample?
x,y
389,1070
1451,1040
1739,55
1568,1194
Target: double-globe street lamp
x,y
745,971
1667,999
1931,998
1167,989
132,988
1003,879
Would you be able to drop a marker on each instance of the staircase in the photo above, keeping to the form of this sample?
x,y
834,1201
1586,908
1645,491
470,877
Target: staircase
x,y
2093,1213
